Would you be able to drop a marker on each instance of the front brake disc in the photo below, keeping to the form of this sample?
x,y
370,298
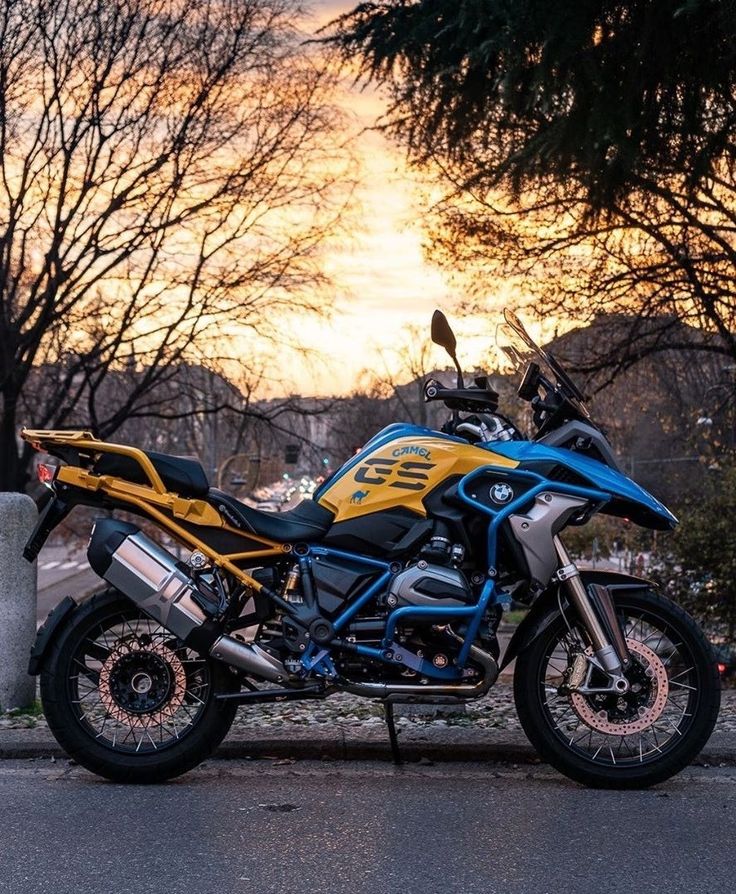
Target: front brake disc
x,y
649,708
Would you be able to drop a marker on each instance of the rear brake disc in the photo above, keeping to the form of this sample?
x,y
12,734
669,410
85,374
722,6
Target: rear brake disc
x,y
142,685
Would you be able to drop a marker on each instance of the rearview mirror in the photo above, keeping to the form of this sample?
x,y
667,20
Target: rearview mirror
x,y
442,333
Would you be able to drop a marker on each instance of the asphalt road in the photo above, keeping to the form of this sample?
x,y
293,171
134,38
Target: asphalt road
x,y
265,828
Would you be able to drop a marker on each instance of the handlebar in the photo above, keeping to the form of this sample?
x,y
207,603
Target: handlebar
x,y
478,398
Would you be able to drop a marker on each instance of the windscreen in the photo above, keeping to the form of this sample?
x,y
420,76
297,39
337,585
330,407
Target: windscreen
x,y
520,348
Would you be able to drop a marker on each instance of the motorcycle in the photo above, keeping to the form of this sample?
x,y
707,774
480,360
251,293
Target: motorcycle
x,y
390,584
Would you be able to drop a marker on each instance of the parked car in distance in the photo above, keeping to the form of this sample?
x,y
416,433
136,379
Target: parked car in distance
x,y
726,658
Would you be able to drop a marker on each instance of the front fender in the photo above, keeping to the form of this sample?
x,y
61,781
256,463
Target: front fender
x,y
546,608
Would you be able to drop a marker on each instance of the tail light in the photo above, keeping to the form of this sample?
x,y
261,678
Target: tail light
x,y
46,473
721,668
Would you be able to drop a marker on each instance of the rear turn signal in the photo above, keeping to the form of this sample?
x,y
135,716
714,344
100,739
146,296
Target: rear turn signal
x,y
46,473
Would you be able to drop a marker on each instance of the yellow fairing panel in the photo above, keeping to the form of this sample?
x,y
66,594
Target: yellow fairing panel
x,y
401,473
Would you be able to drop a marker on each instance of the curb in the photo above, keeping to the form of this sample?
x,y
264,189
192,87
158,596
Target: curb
x,y
434,746
441,746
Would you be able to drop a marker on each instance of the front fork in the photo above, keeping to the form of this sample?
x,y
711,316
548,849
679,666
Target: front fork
x,y
598,615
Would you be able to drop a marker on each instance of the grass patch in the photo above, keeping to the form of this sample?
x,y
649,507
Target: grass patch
x,y
33,710
516,616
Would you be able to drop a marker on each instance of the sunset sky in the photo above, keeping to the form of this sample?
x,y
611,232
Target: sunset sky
x,y
384,282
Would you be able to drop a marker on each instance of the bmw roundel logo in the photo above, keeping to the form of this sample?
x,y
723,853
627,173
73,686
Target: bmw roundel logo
x,y
501,493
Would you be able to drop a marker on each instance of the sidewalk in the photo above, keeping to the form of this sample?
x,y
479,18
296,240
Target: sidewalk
x,y
428,742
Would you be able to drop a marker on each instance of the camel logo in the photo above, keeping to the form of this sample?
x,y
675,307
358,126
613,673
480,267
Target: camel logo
x,y
358,496
412,450
501,493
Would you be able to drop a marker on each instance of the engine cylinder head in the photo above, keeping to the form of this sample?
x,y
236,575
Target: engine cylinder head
x,y
425,584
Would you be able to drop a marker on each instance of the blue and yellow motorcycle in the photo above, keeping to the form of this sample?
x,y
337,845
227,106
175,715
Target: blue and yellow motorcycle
x,y
389,584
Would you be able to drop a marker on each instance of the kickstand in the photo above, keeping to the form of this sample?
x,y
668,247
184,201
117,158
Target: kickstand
x,y
388,709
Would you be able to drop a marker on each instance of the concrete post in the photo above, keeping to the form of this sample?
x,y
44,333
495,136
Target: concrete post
x,y
17,601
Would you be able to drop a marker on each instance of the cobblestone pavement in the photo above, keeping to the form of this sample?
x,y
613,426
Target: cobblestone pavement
x,y
495,711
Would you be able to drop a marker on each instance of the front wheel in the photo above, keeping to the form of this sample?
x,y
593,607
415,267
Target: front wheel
x,y
126,698
632,740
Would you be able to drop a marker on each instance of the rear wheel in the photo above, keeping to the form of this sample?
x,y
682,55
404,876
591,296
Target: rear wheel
x,y
621,741
126,698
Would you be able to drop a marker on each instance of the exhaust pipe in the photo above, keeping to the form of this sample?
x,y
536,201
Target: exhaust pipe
x,y
435,690
153,579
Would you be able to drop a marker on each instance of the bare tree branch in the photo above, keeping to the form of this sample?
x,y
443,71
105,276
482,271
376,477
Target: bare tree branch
x,y
167,177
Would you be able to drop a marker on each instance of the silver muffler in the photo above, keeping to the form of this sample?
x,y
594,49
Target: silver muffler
x,y
153,579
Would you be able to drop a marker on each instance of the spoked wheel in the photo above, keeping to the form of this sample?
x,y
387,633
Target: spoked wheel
x,y
622,740
128,700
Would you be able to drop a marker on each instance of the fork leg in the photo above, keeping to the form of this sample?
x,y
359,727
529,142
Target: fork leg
x,y
604,649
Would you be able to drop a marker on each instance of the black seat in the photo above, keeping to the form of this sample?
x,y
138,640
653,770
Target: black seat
x,y
307,522
184,477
